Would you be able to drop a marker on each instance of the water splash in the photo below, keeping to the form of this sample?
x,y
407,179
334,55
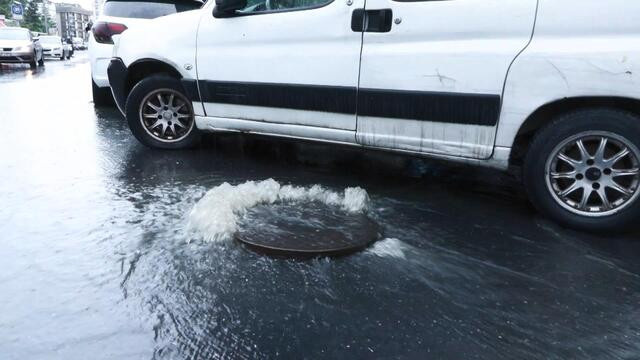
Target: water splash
x,y
215,216
389,247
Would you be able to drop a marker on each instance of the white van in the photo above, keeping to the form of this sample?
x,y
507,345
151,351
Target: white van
x,y
546,86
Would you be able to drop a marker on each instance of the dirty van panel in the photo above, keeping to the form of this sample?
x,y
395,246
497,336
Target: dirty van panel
x,y
433,83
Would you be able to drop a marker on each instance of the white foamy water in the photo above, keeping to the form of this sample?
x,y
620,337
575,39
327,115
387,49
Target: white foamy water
x,y
389,247
215,216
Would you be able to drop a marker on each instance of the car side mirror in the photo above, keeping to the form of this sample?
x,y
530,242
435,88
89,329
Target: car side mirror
x,y
227,8
36,40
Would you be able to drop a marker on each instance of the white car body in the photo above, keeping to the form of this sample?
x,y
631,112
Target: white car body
x,y
100,54
492,59
52,47
137,13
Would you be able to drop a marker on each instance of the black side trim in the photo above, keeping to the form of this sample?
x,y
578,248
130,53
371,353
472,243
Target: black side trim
x,y
191,89
336,99
468,109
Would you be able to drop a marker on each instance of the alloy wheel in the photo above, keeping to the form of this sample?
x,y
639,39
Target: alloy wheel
x,y
166,115
594,173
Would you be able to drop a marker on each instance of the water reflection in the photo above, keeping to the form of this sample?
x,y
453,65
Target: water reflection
x,y
13,72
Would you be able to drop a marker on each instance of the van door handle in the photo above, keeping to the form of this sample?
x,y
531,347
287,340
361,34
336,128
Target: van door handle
x,y
378,20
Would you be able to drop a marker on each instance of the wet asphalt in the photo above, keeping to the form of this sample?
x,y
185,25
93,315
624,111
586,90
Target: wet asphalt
x,y
95,262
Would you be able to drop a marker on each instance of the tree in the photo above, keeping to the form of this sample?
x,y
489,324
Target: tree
x,y
33,19
5,8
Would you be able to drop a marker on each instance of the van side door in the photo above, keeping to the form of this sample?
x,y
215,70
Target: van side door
x,y
432,72
292,63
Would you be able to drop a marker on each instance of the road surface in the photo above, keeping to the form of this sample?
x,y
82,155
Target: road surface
x,y
100,257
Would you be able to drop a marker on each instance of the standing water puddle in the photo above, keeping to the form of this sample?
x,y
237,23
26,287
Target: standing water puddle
x,y
94,263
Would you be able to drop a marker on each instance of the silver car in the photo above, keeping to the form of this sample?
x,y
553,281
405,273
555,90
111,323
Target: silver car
x,y
17,45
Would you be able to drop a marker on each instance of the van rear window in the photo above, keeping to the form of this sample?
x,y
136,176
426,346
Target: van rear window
x,y
147,9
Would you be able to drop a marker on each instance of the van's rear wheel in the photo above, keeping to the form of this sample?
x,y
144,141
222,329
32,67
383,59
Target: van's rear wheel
x,y
583,169
160,114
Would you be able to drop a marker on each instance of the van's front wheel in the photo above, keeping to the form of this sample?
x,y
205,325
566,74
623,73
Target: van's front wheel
x,y
583,169
160,115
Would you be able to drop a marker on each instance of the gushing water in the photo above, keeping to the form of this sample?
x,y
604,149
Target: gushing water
x,y
389,247
215,216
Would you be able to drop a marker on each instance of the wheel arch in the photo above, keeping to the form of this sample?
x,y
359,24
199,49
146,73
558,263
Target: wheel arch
x,y
547,112
143,68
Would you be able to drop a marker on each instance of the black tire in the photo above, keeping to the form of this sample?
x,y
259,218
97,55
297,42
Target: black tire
x,y
101,96
132,109
623,124
62,57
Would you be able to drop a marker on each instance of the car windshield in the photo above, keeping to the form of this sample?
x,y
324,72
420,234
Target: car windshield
x,y
14,34
50,40
147,9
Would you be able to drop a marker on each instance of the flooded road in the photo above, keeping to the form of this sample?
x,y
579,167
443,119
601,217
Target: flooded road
x,y
101,258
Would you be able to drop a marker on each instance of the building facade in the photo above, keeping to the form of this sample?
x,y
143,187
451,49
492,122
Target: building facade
x,y
72,20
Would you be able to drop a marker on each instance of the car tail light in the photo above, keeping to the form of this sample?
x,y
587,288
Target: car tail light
x,y
103,31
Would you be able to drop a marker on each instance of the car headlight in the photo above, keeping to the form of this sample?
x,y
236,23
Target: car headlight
x,y
56,49
25,48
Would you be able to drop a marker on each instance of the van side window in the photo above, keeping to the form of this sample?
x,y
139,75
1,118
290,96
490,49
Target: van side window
x,y
266,6
146,9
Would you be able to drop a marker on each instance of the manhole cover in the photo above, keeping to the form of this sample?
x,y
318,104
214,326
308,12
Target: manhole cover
x,y
286,220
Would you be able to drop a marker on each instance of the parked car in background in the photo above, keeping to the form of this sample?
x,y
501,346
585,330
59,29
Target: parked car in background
x,y
115,17
17,45
559,105
54,47
79,44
